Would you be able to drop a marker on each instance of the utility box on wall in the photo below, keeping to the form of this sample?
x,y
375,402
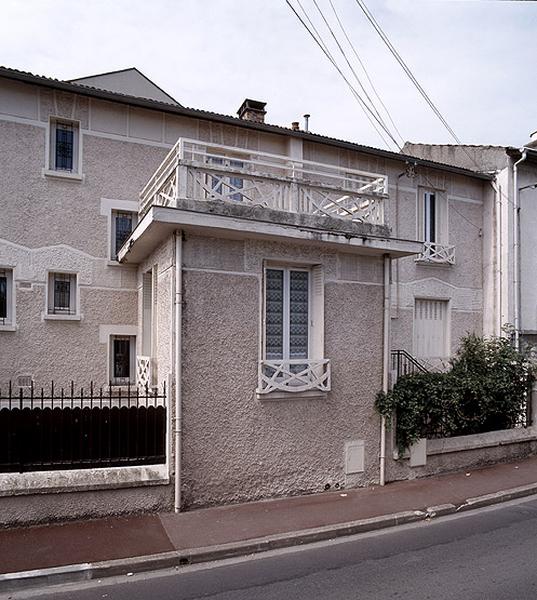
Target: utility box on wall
x,y
354,457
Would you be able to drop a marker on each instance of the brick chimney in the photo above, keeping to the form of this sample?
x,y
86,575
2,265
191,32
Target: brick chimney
x,y
252,110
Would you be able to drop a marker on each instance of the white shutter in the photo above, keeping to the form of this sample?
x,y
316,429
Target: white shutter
x,y
147,309
430,329
317,312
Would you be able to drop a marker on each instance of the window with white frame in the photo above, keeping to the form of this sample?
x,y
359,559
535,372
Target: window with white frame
x,y
429,217
6,297
62,294
64,145
287,308
293,331
122,359
122,224
432,217
226,186
431,333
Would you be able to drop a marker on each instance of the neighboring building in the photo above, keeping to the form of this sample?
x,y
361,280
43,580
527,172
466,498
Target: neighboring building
x,y
512,293
263,273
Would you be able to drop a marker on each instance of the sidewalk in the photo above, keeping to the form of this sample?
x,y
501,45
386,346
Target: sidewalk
x,y
171,539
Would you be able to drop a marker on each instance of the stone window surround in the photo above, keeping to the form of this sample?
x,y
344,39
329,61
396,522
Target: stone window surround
x,y
77,316
108,206
49,170
105,337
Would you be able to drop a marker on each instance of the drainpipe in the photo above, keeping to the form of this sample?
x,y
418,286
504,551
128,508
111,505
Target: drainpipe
x,y
385,363
516,250
178,314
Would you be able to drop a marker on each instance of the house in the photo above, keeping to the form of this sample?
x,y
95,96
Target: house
x,y
513,288
235,292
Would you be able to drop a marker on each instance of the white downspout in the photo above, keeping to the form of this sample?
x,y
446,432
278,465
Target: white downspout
x,y
516,250
178,314
385,363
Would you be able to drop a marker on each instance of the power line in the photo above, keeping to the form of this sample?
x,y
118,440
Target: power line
x,y
406,69
365,70
318,40
353,71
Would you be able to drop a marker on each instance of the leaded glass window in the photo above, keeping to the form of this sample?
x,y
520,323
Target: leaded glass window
x,y
298,314
274,314
287,319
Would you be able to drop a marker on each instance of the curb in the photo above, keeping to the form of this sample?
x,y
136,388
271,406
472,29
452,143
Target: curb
x,y
24,580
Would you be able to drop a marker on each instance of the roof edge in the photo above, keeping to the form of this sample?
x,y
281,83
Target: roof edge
x,y
178,109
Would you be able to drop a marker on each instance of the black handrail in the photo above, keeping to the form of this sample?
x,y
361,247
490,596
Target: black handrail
x,y
403,363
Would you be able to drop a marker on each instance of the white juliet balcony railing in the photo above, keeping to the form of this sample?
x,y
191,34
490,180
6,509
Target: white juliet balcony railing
x,y
440,254
201,171
144,371
295,375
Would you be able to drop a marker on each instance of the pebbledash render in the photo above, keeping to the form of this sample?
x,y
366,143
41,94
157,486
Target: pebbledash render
x,y
271,278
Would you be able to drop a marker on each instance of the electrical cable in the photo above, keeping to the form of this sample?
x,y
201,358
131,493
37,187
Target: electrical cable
x,y
357,96
353,48
353,71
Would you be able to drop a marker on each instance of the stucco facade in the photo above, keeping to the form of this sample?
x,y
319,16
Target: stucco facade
x,y
237,443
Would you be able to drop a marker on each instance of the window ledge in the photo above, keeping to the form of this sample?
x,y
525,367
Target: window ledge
x,y
8,327
286,396
78,480
48,317
63,175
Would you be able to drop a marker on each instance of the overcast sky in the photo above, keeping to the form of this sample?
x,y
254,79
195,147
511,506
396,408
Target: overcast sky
x,y
476,59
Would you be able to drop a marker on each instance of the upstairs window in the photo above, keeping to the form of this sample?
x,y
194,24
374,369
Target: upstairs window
x,y
64,146
429,217
432,216
222,185
62,294
6,297
123,222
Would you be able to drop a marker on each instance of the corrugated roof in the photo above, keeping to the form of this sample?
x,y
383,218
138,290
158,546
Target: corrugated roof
x,y
71,86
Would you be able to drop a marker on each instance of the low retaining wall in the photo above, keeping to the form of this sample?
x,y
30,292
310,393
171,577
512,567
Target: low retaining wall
x,y
431,457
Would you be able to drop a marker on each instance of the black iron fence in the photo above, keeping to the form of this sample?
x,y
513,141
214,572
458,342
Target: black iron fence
x,y
81,429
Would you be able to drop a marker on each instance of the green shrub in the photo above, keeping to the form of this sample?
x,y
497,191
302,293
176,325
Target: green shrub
x,y
485,390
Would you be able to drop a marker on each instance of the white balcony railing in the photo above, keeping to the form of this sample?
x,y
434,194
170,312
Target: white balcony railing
x,y
296,375
201,171
144,371
437,253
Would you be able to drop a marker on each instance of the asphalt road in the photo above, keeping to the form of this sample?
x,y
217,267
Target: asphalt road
x,y
486,555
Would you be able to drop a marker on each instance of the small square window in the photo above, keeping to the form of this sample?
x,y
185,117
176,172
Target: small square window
x,y
64,146
6,297
62,294
122,359
123,222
